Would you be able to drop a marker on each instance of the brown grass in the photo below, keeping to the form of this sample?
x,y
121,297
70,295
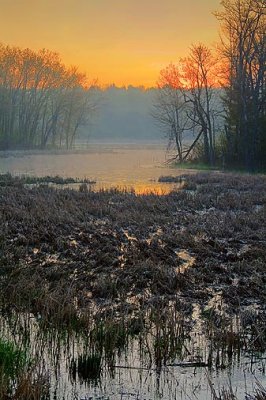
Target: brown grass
x,y
65,252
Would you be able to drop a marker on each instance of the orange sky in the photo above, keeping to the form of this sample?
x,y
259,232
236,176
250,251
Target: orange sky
x,y
117,41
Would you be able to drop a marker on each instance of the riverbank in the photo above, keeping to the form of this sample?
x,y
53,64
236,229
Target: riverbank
x,y
200,166
144,262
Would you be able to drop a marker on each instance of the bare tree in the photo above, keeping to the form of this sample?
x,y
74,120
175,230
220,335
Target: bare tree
x,y
41,101
170,110
199,73
188,100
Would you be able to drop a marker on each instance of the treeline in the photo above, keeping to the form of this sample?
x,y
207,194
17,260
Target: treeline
x,y
244,50
124,117
229,129
42,102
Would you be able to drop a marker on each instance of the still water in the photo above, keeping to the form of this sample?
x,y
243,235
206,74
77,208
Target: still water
x,y
132,377
124,166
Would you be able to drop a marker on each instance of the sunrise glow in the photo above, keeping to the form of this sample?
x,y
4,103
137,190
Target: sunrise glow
x,y
123,42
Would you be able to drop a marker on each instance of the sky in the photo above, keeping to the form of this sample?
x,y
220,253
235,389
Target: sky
x,y
121,42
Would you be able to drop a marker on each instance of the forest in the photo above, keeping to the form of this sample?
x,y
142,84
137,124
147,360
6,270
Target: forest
x,y
210,105
230,123
42,102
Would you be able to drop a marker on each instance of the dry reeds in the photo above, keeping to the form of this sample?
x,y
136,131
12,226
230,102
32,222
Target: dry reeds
x,y
108,265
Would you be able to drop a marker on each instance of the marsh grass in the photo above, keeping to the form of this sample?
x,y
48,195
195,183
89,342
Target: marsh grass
x,y
163,333
12,360
228,393
260,393
20,180
104,269
20,378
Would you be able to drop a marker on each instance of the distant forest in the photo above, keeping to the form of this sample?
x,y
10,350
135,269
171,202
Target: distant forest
x,y
124,116
211,105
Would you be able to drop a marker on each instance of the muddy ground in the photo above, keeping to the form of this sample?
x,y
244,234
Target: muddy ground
x,y
78,249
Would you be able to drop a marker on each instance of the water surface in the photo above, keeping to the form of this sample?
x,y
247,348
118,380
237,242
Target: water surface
x,y
123,166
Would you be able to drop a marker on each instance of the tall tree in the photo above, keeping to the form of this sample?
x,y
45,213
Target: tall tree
x,y
199,75
42,102
188,100
243,25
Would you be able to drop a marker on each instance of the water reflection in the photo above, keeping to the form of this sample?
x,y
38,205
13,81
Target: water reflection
x,y
80,369
126,167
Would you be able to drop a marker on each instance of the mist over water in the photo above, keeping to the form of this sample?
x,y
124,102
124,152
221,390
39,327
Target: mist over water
x,y
111,165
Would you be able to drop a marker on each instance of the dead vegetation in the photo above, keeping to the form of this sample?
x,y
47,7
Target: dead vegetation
x,y
112,245
66,254
116,265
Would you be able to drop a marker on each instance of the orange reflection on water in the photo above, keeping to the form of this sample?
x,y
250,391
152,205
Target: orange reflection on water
x,y
154,188
140,188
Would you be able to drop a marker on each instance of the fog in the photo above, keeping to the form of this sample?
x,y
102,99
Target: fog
x,y
123,116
